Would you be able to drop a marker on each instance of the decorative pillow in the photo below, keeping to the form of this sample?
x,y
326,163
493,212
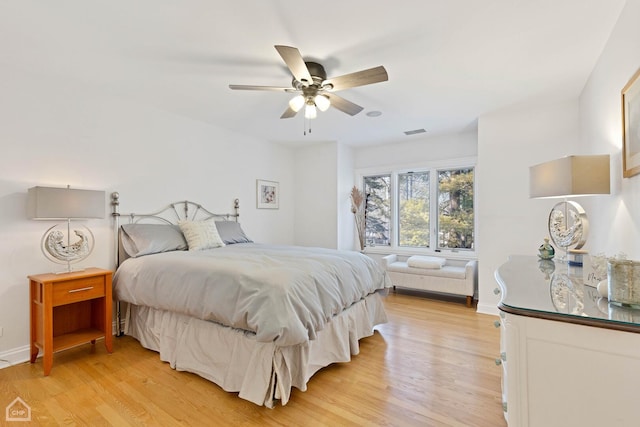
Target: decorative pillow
x,y
201,234
420,261
145,239
231,232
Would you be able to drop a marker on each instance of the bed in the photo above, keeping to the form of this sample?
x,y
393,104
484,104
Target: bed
x,y
253,318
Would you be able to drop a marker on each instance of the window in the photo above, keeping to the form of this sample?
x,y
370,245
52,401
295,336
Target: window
x,y
455,209
413,209
429,208
378,210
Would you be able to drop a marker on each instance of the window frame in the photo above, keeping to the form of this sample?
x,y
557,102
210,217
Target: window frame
x,y
433,168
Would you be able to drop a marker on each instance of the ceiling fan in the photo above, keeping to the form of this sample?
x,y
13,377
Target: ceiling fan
x,y
313,89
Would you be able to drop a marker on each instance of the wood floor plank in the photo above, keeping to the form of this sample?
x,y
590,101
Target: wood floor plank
x,y
432,364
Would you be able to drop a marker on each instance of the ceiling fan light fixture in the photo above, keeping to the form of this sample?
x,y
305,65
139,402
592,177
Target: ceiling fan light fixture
x,y
296,103
322,102
310,112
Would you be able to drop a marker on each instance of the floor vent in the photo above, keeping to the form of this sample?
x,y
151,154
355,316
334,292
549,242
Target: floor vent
x,y
414,132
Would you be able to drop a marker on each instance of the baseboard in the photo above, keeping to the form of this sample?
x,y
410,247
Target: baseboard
x,y
487,309
15,356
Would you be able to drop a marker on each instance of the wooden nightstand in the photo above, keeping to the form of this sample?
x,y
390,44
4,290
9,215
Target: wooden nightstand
x,y
69,309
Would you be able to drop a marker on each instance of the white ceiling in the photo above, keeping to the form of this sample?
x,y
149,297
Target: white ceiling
x,y
449,61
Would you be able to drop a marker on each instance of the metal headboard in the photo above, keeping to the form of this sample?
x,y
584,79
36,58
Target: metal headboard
x,y
170,214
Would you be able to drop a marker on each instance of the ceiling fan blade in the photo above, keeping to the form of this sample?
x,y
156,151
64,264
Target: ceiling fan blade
x,y
295,63
289,112
359,78
271,88
344,105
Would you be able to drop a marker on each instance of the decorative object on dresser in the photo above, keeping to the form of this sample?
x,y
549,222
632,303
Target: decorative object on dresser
x,y
267,194
67,310
49,203
631,127
569,176
624,282
433,274
546,251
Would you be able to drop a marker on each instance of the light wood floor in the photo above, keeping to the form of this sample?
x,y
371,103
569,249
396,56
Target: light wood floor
x,y
431,365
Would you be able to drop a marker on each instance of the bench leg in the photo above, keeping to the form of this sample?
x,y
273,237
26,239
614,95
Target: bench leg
x,y
469,301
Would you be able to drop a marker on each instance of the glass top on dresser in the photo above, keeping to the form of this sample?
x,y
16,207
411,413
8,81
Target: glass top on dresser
x,y
554,290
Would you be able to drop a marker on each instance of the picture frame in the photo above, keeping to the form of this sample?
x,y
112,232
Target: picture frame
x,y
267,194
631,127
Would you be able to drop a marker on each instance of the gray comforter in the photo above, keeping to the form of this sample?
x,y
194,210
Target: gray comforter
x,y
283,294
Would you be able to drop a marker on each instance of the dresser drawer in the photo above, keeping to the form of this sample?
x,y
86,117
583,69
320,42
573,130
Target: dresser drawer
x,y
78,290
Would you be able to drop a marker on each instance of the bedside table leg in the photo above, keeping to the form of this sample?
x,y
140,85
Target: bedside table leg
x,y
47,363
33,310
34,353
47,304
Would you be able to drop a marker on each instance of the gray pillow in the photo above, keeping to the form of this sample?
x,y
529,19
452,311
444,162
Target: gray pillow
x,y
145,239
231,232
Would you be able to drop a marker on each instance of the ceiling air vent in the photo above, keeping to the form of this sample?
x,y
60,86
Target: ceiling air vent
x,y
414,132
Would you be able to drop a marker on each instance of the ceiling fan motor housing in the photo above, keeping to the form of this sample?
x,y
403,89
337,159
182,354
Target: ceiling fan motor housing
x,y
318,75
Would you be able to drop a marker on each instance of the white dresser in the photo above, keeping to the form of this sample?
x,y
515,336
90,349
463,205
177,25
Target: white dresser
x,y
568,357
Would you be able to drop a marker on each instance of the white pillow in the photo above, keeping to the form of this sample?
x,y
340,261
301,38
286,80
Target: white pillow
x,y
201,234
421,261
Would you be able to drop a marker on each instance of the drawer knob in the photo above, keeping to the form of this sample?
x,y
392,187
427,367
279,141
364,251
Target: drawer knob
x,y
88,288
496,291
496,323
503,356
504,406
498,362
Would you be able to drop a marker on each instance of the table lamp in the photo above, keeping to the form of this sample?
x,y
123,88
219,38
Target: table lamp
x,y
570,176
49,203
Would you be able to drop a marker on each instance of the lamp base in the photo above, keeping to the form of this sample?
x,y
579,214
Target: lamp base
x,y
69,269
57,246
568,226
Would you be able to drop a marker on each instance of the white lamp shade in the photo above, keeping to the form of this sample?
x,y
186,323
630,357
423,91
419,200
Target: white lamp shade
x,y
322,102
310,112
64,203
570,176
296,103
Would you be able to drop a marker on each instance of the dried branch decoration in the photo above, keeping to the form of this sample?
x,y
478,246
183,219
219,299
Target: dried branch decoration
x,y
359,209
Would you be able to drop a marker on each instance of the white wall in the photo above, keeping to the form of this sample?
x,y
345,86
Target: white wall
x,y
418,149
615,224
56,132
347,238
509,222
316,183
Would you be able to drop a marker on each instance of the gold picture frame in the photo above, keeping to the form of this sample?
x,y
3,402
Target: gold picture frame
x,y
631,127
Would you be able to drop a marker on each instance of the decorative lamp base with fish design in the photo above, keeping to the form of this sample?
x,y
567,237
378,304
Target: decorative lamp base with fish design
x,y
62,245
568,226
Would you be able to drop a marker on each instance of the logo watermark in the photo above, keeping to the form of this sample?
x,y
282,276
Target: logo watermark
x,y
18,410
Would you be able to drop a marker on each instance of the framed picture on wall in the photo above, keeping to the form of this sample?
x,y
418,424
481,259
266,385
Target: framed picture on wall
x,y
267,194
631,127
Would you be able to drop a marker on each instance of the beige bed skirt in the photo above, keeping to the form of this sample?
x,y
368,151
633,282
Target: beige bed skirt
x,y
260,372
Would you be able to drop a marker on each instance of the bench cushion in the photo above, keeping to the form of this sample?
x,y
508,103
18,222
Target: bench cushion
x,y
446,271
421,261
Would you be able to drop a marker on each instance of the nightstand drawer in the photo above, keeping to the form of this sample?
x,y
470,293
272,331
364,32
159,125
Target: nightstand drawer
x,y
78,290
